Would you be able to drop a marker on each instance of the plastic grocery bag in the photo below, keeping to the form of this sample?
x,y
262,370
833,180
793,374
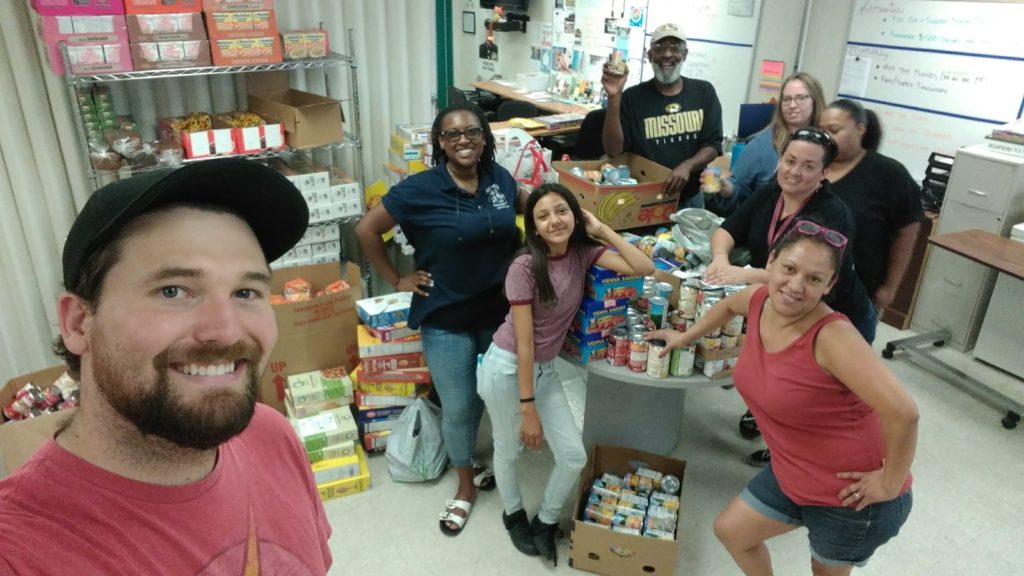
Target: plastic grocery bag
x,y
416,452
693,230
523,156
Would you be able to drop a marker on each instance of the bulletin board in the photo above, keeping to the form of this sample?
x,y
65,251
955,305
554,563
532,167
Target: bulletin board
x,y
940,75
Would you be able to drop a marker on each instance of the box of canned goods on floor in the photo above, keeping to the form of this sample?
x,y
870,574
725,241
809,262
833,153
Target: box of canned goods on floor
x,y
627,513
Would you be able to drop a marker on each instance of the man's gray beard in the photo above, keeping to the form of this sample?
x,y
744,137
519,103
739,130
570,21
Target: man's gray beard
x,y
669,77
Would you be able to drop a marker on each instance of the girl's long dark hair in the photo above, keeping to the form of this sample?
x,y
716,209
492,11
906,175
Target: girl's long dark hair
x,y
872,126
538,249
487,158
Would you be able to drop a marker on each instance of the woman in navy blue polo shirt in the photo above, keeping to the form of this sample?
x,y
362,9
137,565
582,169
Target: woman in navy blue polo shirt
x,y
460,218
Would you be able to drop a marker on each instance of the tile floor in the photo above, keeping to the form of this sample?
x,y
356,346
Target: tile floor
x,y
967,519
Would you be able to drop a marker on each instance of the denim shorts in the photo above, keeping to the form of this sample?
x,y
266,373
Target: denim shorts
x,y
838,535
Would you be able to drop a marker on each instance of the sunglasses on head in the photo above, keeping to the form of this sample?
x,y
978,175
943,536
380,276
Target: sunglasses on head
x,y
833,238
819,137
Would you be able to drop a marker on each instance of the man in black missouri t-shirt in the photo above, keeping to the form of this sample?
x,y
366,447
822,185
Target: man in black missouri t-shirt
x,y
672,120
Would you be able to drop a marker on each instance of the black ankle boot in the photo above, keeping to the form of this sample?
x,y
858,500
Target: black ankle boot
x,y
544,539
518,526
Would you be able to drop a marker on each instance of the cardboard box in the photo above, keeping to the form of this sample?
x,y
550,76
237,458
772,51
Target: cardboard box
x,y
241,24
334,469
319,386
243,5
303,410
623,207
299,44
348,486
326,428
91,57
89,29
414,134
309,120
314,334
597,549
266,136
19,440
386,310
77,7
371,347
339,450
165,27
376,441
585,351
394,362
246,51
170,54
161,6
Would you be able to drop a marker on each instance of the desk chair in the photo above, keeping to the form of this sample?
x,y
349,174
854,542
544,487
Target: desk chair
x,y
589,145
487,102
510,109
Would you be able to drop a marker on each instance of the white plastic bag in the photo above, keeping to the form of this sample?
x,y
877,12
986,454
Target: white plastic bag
x,y
693,230
416,452
523,156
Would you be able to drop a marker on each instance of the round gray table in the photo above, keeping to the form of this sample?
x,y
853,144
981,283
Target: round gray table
x,y
629,409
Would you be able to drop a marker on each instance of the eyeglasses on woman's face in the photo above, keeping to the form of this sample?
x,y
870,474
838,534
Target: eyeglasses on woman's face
x,y
797,98
473,134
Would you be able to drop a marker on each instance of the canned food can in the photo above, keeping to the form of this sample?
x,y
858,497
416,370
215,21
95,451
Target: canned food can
x,y
676,321
618,349
664,289
730,363
637,353
623,171
710,343
689,323
698,362
682,361
656,311
688,299
642,303
711,180
657,367
730,341
712,367
637,329
734,327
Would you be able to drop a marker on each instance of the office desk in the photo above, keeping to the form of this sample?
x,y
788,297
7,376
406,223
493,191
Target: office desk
x,y
537,132
511,93
994,251
630,409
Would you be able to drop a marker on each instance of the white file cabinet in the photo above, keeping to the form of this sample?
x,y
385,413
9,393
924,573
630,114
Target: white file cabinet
x,y
985,192
999,342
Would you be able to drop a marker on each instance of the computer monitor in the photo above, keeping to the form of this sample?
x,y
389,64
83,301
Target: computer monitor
x,y
754,117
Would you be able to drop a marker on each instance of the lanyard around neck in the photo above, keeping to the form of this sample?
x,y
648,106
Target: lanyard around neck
x,y
773,232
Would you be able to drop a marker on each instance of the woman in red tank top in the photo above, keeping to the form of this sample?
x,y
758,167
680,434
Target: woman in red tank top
x,y
841,428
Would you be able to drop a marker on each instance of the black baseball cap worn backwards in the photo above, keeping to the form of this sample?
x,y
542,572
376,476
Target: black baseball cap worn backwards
x,y
271,205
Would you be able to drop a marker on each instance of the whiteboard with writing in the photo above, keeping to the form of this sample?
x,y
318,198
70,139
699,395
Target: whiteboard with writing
x,y
940,75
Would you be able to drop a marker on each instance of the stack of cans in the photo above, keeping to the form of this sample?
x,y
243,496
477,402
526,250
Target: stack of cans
x,y
31,400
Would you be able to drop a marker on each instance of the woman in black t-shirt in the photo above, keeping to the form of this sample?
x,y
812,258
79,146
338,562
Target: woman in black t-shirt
x,y
883,198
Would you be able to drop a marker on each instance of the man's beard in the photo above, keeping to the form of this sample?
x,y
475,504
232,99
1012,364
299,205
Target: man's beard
x,y
157,410
667,77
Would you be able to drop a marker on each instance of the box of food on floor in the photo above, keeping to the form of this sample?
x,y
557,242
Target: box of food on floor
x,y
348,486
38,403
618,199
627,513
382,395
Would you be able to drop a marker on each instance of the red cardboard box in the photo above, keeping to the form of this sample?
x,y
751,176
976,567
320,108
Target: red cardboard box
x,y
241,24
77,7
246,51
161,6
165,27
171,54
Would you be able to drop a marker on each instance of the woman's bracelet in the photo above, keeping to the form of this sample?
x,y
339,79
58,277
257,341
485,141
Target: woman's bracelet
x,y
526,400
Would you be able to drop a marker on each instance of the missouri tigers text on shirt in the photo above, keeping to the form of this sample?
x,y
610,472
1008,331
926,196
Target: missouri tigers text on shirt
x,y
674,127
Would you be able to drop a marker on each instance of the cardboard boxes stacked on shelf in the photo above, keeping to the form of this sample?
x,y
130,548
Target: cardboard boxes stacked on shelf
x,y
409,153
392,370
95,33
166,34
242,32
